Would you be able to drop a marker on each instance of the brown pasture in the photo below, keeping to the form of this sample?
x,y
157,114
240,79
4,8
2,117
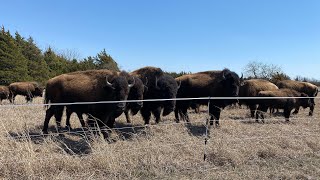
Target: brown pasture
x,y
239,149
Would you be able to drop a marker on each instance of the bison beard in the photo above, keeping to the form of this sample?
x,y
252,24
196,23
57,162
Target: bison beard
x,y
207,84
87,86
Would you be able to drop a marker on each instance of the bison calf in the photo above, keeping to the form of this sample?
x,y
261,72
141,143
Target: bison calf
x,y
287,104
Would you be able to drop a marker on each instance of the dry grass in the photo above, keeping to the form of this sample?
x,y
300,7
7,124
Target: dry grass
x,y
239,149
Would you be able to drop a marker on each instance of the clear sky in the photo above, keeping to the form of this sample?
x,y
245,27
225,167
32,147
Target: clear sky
x,y
177,35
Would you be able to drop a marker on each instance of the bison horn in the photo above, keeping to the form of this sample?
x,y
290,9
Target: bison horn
x,y
179,83
241,76
132,84
156,82
108,83
223,77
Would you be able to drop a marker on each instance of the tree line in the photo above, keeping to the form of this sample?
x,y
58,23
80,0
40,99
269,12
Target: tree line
x,y
22,60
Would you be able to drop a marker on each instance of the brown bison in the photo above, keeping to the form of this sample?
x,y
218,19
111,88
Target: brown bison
x,y
223,83
135,93
160,86
251,88
4,93
310,89
287,104
27,89
88,86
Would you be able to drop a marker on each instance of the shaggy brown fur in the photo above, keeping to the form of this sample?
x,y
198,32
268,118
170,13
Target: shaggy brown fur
x,y
281,103
207,84
310,89
27,89
251,88
4,93
87,86
160,86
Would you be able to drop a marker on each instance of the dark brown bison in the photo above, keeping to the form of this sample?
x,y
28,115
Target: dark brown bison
x,y
251,88
135,93
88,86
287,104
223,83
160,86
4,93
310,89
27,89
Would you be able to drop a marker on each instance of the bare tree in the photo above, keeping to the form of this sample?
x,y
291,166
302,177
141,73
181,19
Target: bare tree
x,y
255,69
69,54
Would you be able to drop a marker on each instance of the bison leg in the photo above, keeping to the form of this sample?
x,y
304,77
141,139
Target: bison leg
x,y
145,113
126,112
252,110
296,111
58,115
260,112
176,114
49,114
214,115
79,114
286,113
184,114
311,110
157,114
68,114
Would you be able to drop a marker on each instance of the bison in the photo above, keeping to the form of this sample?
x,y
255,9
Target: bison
x,y
4,93
287,104
223,83
160,86
135,93
251,88
88,86
27,89
310,89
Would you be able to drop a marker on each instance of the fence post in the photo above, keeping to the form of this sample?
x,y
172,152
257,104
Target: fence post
x,y
207,131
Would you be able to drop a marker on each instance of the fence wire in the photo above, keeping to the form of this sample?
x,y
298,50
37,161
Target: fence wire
x,y
204,122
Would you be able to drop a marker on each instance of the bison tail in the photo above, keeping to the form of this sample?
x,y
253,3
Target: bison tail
x,y
46,100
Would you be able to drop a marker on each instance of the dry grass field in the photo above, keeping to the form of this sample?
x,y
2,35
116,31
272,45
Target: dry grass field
x,y
239,149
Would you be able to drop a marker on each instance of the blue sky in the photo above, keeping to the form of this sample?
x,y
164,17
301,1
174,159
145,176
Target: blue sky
x,y
177,35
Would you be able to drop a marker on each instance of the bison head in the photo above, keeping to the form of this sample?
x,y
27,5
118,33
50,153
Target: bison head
x,y
136,93
231,85
168,88
38,91
118,89
305,101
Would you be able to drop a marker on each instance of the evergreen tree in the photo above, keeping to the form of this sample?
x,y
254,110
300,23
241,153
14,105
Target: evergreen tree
x,y
13,65
37,67
57,65
105,61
